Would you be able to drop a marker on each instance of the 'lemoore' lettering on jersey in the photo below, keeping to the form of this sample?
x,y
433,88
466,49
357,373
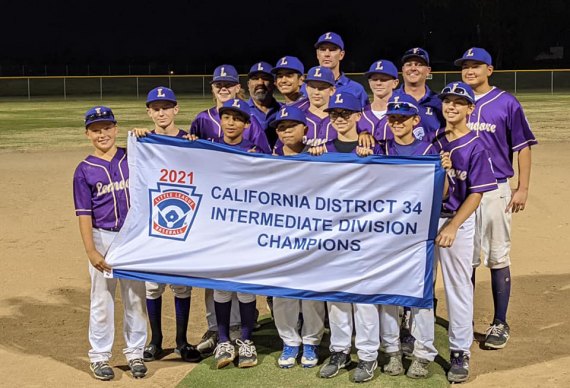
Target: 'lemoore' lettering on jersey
x,y
459,174
487,127
111,187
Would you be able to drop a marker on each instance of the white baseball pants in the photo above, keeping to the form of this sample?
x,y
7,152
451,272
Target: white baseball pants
x,y
286,315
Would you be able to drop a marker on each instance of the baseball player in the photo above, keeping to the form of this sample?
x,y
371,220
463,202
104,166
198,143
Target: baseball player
x,y
471,175
402,116
415,70
320,87
291,126
289,81
101,214
500,122
382,80
263,106
225,86
330,52
345,111
235,117
162,108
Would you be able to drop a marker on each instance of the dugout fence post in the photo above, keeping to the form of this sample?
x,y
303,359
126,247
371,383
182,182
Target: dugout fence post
x,y
203,86
29,94
169,82
64,90
515,82
444,79
137,82
101,88
551,82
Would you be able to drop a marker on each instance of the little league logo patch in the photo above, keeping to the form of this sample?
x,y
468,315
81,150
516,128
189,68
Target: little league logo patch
x,y
173,209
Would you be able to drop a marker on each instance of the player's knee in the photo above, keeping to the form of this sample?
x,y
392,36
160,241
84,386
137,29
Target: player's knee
x,y
222,296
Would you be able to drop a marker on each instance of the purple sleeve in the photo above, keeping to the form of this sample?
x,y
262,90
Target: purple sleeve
x,y
365,124
81,194
480,176
195,127
256,135
521,134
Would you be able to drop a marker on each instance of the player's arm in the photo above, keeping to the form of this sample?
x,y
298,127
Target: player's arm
x,y
95,258
448,232
520,194
140,132
446,164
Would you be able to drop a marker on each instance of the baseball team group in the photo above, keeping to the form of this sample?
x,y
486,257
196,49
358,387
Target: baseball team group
x,y
473,126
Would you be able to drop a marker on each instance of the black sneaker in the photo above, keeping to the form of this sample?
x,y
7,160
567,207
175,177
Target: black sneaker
x,y
337,361
138,368
459,371
188,353
225,354
208,343
497,335
247,354
102,370
152,352
365,371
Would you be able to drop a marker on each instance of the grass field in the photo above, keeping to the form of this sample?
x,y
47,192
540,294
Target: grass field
x,y
267,373
58,124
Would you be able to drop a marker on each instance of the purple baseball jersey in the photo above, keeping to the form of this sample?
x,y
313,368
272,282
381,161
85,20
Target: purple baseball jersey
x,y
180,133
430,113
370,123
264,118
319,128
417,148
245,145
499,120
207,126
353,87
302,103
472,170
101,190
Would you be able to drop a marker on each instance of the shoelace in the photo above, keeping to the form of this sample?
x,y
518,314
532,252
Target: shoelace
x,y
496,330
336,357
362,365
457,361
137,362
101,364
309,352
245,349
225,347
289,351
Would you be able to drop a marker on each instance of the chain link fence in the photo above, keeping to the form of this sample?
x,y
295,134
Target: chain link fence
x,y
136,86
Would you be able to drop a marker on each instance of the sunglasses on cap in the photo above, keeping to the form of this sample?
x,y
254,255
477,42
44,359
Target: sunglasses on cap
x,y
106,114
345,114
458,90
402,107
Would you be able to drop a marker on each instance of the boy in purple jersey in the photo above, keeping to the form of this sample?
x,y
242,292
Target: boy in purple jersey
x,y
345,111
235,116
290,125
320,88
382,79
289,81
330,52
471,176
500,122
225,87
101,196
415,70
162,107
264,107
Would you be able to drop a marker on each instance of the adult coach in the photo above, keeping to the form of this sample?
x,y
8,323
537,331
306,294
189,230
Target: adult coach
x,y
415,71
330,52
260,84
500,122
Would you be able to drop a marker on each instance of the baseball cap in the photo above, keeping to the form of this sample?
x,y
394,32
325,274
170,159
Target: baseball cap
x,y
291,113
260,67
225,73
99,113
416,52
330,37
382,66
236,105
460,89
320,73
475,54
402,104
161,93
289,63
344,100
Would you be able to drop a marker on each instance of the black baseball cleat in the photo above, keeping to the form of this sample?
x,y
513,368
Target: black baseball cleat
x,y
188,353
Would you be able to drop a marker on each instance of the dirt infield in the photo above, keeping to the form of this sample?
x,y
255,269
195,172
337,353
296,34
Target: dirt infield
x,y
45,283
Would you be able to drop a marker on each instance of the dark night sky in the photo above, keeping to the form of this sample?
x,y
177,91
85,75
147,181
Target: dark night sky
x,y
196,36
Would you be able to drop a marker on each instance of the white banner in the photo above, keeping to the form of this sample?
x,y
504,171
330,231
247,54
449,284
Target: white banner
x,y
335,227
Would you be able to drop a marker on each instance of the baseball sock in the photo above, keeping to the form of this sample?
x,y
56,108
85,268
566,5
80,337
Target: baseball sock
x,y
247,312
154,308
182,308
501,285
223,311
